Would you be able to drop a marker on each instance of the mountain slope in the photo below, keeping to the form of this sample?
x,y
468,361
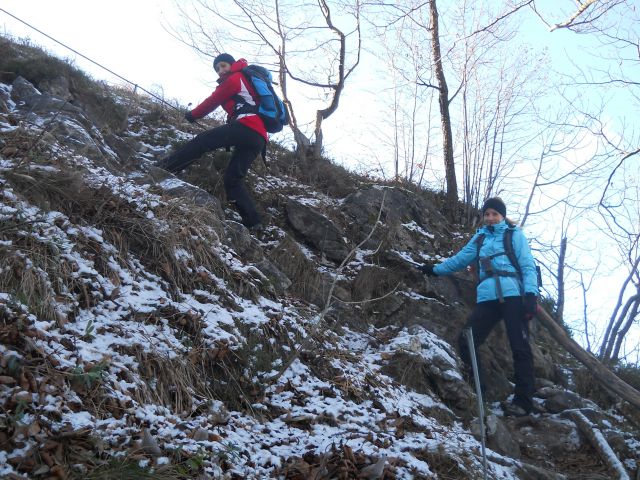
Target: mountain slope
x,y
146,333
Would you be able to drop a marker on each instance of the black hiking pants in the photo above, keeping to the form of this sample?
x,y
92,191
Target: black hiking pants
x,y
247,145
484,317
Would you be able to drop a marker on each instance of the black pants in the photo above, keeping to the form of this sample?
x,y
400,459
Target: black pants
x,y
247,145
484,317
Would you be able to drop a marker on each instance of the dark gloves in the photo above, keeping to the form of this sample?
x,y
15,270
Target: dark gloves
x,y
427,269
189,117
530,306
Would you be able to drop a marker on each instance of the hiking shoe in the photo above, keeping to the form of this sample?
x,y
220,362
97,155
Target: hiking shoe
x,y
256,228
514,410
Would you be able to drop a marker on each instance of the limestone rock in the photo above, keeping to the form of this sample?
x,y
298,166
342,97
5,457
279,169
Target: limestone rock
x,y
545,437
58,87
279,280
564,400
173,186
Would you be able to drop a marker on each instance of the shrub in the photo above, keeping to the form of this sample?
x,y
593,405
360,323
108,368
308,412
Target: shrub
x,y
629,373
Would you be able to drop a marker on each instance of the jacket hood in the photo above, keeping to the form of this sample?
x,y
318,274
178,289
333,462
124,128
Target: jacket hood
x,y
236,66
497,228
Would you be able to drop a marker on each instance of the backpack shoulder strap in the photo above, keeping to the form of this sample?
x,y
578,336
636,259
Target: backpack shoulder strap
x,y
478,241
509,250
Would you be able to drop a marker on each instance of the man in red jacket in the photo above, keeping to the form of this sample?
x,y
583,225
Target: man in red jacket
x,y
244,131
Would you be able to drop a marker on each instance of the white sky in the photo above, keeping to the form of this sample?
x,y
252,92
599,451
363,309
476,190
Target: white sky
x,y
124,36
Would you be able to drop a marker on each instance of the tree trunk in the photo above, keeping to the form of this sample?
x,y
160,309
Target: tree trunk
x,y
598,442
317,146
560,302
445,118
602,374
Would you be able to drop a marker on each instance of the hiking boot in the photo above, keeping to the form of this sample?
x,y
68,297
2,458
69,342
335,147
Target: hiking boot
x,y
514,410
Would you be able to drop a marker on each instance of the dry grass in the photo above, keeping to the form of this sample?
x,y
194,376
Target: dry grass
x,y
409,370
373,283
208,373
307,283
586,387
32,270
176,226
173,382
444,465
128,469
321,175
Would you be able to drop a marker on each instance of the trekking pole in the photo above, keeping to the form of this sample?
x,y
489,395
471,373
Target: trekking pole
x,y
476,379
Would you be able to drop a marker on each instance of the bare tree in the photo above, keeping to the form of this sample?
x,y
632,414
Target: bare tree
x,y
308,43
607,73
458,58
583,17
498,115
620,209
408,128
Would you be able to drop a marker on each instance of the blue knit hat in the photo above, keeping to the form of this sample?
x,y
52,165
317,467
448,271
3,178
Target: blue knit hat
x,y
223,57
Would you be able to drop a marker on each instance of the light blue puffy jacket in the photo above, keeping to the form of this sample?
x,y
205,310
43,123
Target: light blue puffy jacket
x,y
492,244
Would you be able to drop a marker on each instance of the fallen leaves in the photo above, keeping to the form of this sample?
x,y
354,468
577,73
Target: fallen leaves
x,y
342,463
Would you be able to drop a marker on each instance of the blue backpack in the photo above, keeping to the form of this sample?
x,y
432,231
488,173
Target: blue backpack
x,y
270,108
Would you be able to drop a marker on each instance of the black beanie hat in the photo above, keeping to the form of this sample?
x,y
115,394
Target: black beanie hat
x,y
223,57
497,204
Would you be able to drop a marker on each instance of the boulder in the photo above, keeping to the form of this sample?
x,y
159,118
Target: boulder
x,y
65,121
238,237
407,223
425,363
499,437
318,230
278,279
22,90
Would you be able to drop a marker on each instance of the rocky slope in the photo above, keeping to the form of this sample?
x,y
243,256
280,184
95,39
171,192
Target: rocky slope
x,y
146,334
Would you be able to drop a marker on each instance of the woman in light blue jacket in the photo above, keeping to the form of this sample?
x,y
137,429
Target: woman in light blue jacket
x,y
505,291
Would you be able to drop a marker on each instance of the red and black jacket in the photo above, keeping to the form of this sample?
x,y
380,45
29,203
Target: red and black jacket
x,y
233,93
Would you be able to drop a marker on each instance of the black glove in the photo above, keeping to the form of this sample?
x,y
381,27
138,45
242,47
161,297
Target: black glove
x,y
530,306
427,269
189,117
